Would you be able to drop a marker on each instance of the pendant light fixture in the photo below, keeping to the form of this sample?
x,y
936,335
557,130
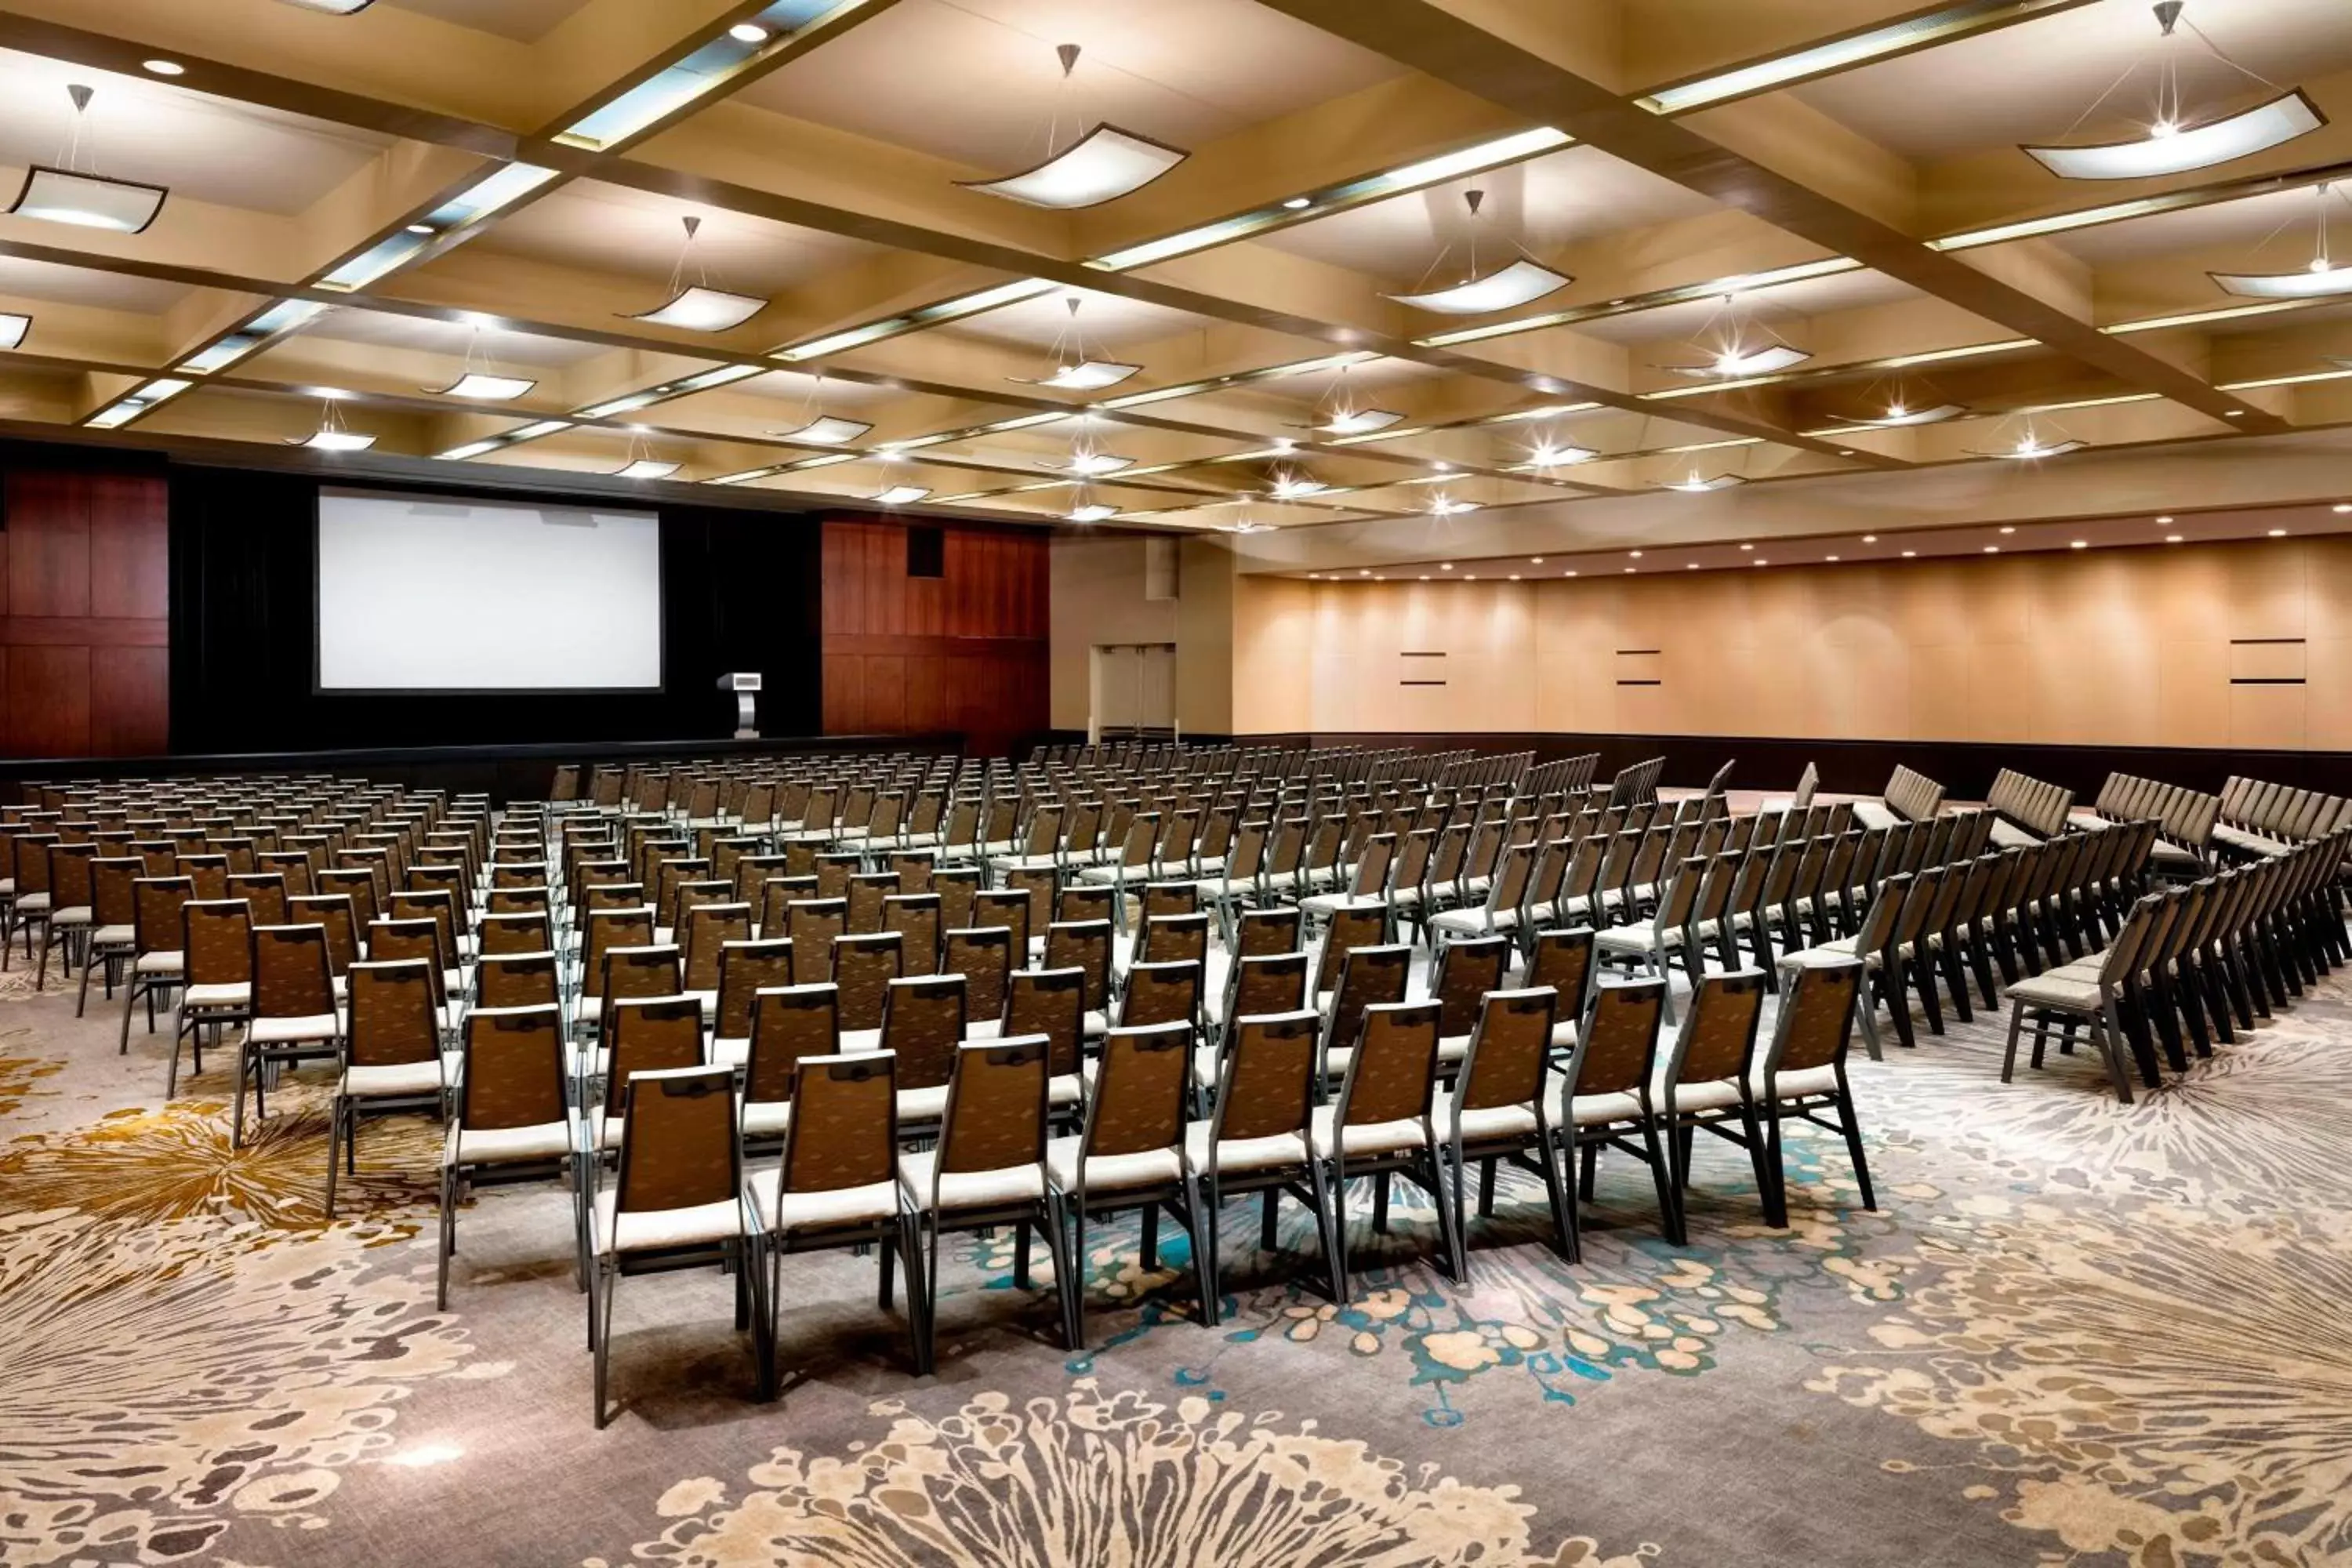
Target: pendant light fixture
x,y
697,307
818,428
1738,347
12,328
2171,145
334,7
2318,279
1694,483
900,495
1520,282
2033,445
68,191
331,436
1104,164
1900,416
1341,415
1075,369
1294,484
1088,461
642,463
1087,507
484,385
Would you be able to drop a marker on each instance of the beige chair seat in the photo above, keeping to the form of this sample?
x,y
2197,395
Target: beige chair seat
x,y
1003,1188
1366,1138
2056,990
1474,920
1453,1050
1326,905
159,962
394,1080
709,1000
922,1104
1793,1085
114,936
291,1031
504,1145
2008,836
1490,1124
1239,1154
226,993
764,1118
1596,1110
856,1040
782,1213
1111,1173
33,904
1563,1035
1875,814
73,915
654,1230
730,1051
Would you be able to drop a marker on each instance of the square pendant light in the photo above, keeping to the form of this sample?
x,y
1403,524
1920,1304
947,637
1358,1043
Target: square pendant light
x,y
1763,362
1693,485
1094,511
1104,164
2311,283
1087,375
825,430
334,7
701,309
1560,456
646,468
1516,284
89,201
1297,489
2168,151
1896,418
902,495
336,441
1446,506
1358,422
483,388
1089,464
12,330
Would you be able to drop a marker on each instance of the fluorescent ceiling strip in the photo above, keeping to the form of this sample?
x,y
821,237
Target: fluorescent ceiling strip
x,y
2089,403
828,460
1681,294
825,430
2283,380
708,68
627,403
533,432
508,184
1704,446
744,477
930,315
1322,203
1935,356
2256,129
2195,318
1238,378
280,317
137,401
1666,393
1842,53
470,450
285,315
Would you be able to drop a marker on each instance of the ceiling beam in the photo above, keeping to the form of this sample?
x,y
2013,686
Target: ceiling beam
x,y
1449,45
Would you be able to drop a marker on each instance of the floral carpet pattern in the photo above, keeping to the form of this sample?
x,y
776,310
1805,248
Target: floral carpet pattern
x,y
2073,1333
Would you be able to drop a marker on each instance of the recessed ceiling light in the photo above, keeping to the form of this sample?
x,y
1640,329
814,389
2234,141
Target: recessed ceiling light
x,y
2009,531
1629,568
2165,520
1634,553
2341,507
1298,204
421,228
1469,576
1690,565
2233,413
163,68
2278,534
1845,451
1760,561
1828,557
1363,571
2078,544
1747,547
1992,550
1425,576
1870,539
1515,576
1538,560
1568,573
2172,538
1909,554
1446,566
748,32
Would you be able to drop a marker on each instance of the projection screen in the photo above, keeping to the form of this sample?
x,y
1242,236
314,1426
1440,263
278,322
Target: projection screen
x,y
440,593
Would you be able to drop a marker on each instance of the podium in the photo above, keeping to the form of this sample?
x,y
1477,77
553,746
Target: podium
x,y
745,685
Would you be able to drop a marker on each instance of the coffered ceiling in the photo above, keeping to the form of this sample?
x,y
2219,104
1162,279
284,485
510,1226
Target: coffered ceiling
x,y
364,208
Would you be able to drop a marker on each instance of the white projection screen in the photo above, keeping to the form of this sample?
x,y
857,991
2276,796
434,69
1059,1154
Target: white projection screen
x,y
440,593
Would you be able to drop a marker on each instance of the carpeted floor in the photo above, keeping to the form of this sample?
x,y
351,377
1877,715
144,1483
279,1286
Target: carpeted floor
x,y
2074,1332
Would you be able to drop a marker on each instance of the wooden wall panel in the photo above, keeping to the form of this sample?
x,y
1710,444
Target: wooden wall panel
x,y
85,580
920,655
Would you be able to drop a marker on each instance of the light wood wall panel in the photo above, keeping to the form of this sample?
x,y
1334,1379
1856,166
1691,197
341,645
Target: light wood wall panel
x,y
2176,645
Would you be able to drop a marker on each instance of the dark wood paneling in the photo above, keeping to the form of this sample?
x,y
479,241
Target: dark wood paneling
x,y
48,545
965,651
86,628
130,702
129,549
48,701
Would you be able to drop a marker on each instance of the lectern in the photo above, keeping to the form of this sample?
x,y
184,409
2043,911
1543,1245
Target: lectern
x,y
745,685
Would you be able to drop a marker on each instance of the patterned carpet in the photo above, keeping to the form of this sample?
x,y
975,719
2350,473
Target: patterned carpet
x,y
2077,1332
